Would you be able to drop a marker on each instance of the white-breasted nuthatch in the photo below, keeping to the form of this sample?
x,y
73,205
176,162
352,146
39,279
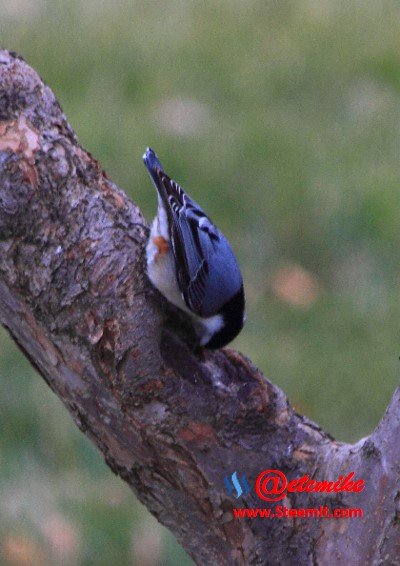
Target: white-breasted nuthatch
x,y
192,264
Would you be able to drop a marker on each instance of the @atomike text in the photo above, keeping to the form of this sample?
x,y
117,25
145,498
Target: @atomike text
x,y
272,485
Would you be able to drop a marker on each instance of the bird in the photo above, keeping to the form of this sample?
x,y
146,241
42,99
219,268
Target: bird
x,y
192,264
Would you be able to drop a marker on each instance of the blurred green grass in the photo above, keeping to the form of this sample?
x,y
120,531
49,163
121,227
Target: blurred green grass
x,y
283,120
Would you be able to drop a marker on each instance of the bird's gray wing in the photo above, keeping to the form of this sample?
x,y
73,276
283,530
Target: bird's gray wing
x,y
194,239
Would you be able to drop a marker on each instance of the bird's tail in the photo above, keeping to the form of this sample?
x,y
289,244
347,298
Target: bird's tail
x,y
152,162
160,179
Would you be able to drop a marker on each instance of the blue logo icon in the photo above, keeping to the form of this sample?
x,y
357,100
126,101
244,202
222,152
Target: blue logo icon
x,y
241,487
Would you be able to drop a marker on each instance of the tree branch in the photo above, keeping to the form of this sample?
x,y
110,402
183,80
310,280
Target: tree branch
x,y
171,422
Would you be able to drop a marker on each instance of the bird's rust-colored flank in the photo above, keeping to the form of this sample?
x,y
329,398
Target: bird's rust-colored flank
x,y
161,244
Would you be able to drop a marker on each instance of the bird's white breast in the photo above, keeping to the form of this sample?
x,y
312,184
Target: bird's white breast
x,y
161,264
161,272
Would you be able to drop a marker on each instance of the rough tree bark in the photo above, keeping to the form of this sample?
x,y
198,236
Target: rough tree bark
x,y
171,422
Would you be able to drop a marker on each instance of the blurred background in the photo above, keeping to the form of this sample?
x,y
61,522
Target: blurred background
x,y
283,120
